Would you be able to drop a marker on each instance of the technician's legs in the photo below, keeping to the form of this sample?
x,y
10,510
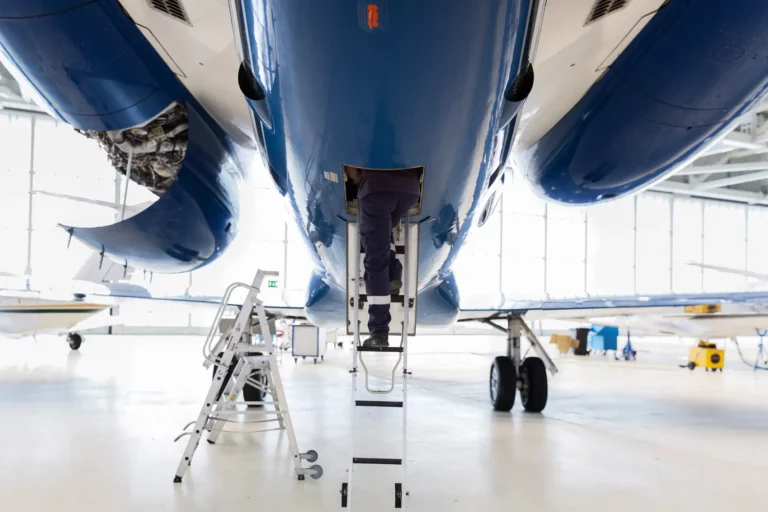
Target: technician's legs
x,y
375,233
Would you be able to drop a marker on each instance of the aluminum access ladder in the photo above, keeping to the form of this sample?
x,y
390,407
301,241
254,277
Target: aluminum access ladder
x,y
239,362
370,398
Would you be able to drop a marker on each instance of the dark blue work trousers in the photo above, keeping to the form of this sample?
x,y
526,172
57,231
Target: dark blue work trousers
x,y
379,213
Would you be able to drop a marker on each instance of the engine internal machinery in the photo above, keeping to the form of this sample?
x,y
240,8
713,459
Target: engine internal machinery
x,y
156,150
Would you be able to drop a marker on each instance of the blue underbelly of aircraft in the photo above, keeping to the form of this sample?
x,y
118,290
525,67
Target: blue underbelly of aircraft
x,y
694,69
96,71
385,84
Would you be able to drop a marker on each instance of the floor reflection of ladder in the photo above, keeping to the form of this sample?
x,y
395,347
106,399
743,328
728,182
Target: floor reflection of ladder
x,y
403,312
238,364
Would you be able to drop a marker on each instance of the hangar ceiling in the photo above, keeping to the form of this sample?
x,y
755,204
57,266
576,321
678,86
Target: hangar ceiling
x,y
734,168
12,97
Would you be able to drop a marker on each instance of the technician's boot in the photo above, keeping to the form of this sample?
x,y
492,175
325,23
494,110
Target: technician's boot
x,y
377,340
394,286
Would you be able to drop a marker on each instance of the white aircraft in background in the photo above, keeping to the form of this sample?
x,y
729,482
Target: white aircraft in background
x,y
29,307
718,320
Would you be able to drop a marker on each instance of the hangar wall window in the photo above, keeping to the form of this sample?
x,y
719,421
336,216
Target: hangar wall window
x,y
639,245
611,248
565,251
654,241
687,245
757,241
724,244
15,145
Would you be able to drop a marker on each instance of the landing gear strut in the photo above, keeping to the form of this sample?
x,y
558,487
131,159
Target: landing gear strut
x,y
511,373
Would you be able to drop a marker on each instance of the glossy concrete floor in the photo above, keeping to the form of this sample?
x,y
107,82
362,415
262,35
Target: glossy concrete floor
x,y
94,431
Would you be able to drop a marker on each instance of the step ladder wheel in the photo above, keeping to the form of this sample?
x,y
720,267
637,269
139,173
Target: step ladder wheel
x,y
74,340
691,365
503,383
311,456
344,494
534,388
317,471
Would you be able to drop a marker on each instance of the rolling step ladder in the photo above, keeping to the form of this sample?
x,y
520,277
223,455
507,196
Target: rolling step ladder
x,y
373,394
238,362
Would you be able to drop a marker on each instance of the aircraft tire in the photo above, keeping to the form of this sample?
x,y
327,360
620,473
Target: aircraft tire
x,y
534,389
503,384
74,340
252,394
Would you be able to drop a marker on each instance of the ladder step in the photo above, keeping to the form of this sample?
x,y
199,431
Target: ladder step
x,y
377,403
379,349
384,462
399,249
394,299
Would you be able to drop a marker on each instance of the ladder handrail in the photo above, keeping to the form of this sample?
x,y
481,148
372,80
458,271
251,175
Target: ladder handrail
x,y
208,354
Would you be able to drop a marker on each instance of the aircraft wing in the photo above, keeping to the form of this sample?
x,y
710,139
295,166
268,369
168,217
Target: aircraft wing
x,y
111,294
717,315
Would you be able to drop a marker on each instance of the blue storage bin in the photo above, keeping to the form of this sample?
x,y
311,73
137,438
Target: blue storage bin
x,y
602,338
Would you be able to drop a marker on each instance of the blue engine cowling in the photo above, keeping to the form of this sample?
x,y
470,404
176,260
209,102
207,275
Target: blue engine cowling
x,y
95,70
696,67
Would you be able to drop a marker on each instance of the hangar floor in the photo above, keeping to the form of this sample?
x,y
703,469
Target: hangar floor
x,y
94,430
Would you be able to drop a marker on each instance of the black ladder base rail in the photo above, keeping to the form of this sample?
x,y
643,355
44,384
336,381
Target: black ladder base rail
x,y
378,403
377,461
379,349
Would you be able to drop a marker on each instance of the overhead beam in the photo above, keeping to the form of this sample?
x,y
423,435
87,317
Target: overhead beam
x,y
733,180
685,189
738,140
713,169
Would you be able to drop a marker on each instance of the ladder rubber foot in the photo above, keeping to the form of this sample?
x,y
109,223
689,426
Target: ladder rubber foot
x,y
210,442
177,479
344,494
377,403
398,495
379,461
379,349
301,477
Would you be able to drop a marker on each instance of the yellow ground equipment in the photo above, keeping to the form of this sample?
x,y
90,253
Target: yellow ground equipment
x,y
703,309
564,342
706,354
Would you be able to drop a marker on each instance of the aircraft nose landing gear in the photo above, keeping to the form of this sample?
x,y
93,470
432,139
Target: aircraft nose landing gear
x,y
511,373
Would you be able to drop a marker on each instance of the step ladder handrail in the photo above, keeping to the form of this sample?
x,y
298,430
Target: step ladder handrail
x,y
208,347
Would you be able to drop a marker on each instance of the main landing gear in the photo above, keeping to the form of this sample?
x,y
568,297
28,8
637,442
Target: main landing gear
x,y
74,340
511,373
